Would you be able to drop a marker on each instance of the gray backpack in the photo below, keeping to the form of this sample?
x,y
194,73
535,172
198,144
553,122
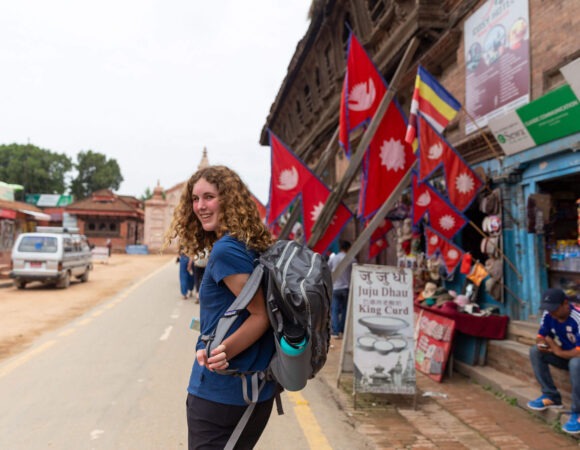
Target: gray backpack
x,y
297,285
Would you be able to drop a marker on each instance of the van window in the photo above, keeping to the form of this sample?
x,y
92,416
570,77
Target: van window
x,y
38,244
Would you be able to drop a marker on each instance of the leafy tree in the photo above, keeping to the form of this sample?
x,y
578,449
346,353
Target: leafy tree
x,y
38,170
147,194
95,172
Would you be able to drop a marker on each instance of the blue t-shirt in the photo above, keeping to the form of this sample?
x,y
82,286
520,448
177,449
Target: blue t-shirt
x,y
564,333
228,257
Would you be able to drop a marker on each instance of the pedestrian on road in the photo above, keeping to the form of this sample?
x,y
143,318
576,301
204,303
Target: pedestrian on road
x,y
340,290
198,270
216,212
557,344
186,281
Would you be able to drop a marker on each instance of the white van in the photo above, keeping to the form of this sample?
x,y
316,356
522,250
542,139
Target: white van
x,y
51,255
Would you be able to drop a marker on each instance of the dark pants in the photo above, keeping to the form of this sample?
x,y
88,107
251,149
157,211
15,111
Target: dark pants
x,y
338,310
198,276
211,424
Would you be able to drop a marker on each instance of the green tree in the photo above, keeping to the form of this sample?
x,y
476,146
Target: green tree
x,y
94,172
39,171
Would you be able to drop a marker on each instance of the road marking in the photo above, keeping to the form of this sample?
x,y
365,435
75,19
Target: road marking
x,y
67,332
17,362
166,333
96,434
312,431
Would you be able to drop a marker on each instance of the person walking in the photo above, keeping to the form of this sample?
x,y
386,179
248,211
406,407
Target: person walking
x,y
340,289
216,212
186,281
558,345
198,270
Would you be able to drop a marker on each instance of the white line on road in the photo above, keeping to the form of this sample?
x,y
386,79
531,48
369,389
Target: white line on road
x,y
166,333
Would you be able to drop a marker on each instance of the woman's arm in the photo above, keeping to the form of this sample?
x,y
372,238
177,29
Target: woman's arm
x,y
249,332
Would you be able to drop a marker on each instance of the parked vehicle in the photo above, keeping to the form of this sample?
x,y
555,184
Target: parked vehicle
x,y
51,255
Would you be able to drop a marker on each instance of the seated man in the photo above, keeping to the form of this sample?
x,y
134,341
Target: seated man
x,y
557,344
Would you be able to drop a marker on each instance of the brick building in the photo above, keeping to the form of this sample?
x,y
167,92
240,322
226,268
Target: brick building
x,y
305,112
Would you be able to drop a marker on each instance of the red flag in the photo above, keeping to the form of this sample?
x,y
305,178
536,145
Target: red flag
x,y
314,197
362,91
378,241
462,183
388,160
451,253
433,149
288,176
443,217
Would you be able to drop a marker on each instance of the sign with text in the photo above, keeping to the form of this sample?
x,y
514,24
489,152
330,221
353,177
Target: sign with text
x,y
497,60
434,339
381,300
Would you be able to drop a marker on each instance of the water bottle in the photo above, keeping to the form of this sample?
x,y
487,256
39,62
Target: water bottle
x,y
293,340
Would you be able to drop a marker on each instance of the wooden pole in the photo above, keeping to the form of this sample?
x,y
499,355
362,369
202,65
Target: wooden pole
x,y
502,254
328,153
377,219
339,191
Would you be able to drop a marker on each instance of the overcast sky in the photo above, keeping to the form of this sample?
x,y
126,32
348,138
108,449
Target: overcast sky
x,y
148,82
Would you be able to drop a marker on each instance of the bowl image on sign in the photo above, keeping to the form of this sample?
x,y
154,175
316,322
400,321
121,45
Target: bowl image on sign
x,y
383,326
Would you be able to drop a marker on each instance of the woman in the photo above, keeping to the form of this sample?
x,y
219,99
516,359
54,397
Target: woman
x,y
216,212
186,279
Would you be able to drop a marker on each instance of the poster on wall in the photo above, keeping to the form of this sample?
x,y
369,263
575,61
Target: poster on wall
x,y
434,339
382,313
497,60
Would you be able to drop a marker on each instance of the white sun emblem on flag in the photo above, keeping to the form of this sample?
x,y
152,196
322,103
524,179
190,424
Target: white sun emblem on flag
x,y
433,240
315,213
393,155
464,183
447,222
453,254
424,199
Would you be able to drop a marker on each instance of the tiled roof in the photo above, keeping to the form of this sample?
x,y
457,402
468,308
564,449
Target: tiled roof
x,y
16,206
118,204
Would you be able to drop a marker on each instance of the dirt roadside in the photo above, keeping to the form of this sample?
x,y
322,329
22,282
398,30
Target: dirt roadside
x,y
26,314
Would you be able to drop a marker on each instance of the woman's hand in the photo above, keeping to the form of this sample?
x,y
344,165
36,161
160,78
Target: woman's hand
x,y
217,361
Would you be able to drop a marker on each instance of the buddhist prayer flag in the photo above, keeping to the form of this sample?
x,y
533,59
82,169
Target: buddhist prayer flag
x,y
433,101
362,91
450,253
443,217
314,197
288,176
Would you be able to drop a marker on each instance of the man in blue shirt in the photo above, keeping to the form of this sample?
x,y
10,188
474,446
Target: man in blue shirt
x,y
557,344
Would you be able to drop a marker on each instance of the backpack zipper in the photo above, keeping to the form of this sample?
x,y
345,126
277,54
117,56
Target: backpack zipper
x,y
303,290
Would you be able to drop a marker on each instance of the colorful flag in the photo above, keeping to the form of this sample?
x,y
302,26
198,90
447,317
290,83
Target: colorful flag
x,y
378,241
362,91
314,196
288,176
443,217
387,161
433,101
461,181
450,253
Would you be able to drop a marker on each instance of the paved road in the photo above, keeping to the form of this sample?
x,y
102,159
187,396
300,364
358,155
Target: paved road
x,y
115,378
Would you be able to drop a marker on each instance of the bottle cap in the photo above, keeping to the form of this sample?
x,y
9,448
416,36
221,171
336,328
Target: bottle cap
x,y
292,349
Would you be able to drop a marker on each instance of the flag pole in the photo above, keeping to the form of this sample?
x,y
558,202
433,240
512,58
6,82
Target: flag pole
x,y
377,219
340,189
328,153
502,254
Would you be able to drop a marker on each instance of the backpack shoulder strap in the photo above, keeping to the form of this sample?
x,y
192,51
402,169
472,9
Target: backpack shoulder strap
x,y
238,305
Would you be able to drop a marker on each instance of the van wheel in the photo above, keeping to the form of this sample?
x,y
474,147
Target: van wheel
x,y
20,284
85,276
64,282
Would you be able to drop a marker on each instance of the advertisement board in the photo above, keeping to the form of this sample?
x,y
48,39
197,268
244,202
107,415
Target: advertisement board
x,y
382,312
434,339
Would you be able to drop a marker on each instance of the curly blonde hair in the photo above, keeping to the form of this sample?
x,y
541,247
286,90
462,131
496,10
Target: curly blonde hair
x,y
238,215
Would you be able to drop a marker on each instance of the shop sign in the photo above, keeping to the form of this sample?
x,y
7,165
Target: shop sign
x,y
571,73
546,119
49,200
381,300
7,214
434,339
497,60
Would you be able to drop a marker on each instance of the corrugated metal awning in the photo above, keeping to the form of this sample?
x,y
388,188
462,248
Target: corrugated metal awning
x,y
37,215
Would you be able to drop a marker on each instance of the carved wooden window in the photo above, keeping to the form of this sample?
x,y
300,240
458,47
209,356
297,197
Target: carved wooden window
x,y
328,61
308,98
